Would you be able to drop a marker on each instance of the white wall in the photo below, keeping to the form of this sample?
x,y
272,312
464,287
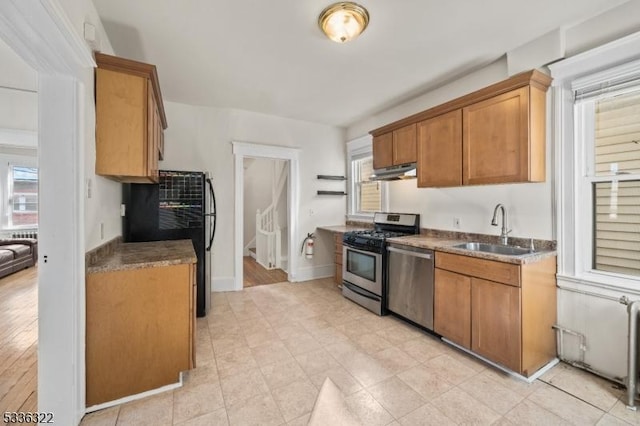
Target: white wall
x,y
106,195
200,138
258,178
18,110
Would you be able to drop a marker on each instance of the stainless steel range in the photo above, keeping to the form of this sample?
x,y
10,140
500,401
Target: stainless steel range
x,y
364,259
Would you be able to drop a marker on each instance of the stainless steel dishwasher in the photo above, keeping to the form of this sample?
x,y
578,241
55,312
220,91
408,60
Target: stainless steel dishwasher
x,y
410,283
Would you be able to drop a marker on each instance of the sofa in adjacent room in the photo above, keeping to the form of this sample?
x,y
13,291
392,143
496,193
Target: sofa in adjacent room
x,y
17,254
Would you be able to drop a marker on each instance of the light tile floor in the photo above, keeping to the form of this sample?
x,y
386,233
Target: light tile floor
x,y
263,354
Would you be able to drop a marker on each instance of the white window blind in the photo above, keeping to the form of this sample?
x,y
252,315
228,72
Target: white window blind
x,y
616,187
370,195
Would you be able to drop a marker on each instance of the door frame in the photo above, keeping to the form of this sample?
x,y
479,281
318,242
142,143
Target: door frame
x,y
41,34
292,156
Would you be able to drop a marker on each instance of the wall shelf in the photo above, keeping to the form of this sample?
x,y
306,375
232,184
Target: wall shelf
x,y
332,193
331,177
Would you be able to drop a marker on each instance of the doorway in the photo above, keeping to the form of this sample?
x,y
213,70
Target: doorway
x,y
288,157
266,222
18,230
42,35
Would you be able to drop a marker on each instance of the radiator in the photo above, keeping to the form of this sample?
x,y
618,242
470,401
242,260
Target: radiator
x,y
25,234
633,308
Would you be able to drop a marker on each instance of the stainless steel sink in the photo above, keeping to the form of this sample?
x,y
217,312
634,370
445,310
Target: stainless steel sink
x,y
494,248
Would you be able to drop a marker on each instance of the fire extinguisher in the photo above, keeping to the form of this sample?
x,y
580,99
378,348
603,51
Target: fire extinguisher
x,y
307,246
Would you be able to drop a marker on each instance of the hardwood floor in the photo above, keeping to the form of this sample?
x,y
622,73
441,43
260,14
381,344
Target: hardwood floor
x,y
19,341
255,274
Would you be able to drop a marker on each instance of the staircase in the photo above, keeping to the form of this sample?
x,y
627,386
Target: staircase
x,y
268,233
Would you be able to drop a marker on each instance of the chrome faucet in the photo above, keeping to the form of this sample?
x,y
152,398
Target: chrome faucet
x,y
504,233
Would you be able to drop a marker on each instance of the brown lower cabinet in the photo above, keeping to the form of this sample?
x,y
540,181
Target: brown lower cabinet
x,y
452,307
496,325
140,330
503,312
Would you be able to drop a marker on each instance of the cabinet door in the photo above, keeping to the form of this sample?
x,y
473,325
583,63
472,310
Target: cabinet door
x,y
496,139
440,150
120,124
152,134
137,330
404,145
452,307
495,319
192,315
338,257
383,150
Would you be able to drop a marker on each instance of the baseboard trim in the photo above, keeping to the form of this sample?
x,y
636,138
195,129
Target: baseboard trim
x,y
223,284
314,273
135,397
548,366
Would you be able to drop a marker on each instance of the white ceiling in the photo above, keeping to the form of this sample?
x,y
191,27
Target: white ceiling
x,y
269,55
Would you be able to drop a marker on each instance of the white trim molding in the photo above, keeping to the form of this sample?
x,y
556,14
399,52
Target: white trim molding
x,y
223,284
316,272
358,148
292,156
19,138
612,59
41,34
606,56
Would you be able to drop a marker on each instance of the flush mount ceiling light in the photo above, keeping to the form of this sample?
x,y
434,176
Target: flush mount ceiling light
x,y
343,21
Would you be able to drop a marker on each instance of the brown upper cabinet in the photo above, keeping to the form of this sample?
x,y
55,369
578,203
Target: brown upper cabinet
x,y
130,120
394,148
493,135
440,150
504,138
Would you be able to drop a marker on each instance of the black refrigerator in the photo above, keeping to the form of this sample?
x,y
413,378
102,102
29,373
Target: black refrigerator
x,y
181,206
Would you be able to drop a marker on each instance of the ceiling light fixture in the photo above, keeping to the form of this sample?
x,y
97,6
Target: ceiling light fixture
x,y
343,21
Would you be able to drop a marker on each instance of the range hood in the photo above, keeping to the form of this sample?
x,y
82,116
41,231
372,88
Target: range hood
x,y
402,171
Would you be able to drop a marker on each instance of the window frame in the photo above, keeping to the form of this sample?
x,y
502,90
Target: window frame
x,y
13,155
9,206
358,149
586,178
572,228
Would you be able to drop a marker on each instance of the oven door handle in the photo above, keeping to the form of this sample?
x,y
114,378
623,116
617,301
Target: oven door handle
x,y
359,291
365,252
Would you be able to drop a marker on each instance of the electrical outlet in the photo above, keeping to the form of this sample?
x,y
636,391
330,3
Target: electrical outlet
x,y
456,223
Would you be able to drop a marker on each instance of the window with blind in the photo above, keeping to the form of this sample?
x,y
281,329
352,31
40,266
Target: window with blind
x,y
611,134
23,197
368,195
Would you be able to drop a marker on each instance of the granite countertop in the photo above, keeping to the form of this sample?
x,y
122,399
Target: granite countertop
x,y
126,256
445,244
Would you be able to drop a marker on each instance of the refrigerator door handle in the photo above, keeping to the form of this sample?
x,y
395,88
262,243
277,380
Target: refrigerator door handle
x,y
212,214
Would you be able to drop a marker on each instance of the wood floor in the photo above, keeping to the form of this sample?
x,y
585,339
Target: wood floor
x,y
255,274
19,341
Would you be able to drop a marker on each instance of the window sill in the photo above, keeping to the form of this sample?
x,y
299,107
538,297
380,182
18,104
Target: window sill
x,y
360,217
604,283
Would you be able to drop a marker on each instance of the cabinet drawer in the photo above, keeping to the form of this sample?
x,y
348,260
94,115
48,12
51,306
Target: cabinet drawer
x,y
337,237
492,270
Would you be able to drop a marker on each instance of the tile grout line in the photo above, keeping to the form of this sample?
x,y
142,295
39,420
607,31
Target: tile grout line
x,y
573,396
